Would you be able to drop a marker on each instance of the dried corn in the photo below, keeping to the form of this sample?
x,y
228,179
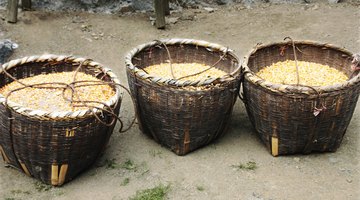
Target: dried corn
x,y
310,74
52,99
184,69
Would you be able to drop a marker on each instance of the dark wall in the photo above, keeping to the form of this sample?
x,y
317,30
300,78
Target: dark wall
x,y
113,6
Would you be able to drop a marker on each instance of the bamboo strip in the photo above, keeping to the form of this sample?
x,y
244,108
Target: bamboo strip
x,y
62,175
54,175
23,166
6,159
274,146
186,141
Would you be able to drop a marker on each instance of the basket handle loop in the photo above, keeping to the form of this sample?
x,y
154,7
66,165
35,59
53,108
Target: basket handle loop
x,y
295,57
169,55
122,130
72,87
355,64
241,85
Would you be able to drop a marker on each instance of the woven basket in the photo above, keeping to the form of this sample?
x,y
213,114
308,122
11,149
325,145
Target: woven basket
x,y
180,119
283,115
53,147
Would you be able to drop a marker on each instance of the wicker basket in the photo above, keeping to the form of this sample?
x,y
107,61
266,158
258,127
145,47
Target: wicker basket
x,y
181,119
283,115
53,147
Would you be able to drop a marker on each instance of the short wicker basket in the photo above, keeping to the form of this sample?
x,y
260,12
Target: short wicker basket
x,y
283,115
181,119
53,147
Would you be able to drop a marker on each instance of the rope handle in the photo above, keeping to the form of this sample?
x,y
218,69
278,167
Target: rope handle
x,y
295,57
194,74
78,103
121,130
316,110
241,86
355,64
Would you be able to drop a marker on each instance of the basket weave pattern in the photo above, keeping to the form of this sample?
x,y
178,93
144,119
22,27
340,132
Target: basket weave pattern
x,y
53,147
283,115
180,119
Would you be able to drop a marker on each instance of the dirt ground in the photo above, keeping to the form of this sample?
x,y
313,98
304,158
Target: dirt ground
x,y
206,173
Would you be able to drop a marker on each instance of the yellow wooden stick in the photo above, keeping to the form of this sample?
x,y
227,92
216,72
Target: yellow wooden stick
x,y
6,159
54,175
62,175
23,166
274,146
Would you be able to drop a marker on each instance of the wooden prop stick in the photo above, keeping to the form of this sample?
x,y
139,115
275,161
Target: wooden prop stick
x,y
160,13
26,4
12,11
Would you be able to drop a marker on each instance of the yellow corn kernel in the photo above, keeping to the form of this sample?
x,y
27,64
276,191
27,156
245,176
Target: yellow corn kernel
x,y
310,74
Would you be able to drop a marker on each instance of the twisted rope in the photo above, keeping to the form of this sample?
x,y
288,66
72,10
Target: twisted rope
x,y
207,69
176,82
190,75
290,89
295,57
78,103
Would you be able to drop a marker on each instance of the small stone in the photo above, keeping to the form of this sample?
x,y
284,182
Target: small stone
x,y
342,169
77,19
349,180
197,11
207,32
152,18
86,27
315,7
6,49
210,10
333,1
171,20
190,17
333,160
88,39
297,159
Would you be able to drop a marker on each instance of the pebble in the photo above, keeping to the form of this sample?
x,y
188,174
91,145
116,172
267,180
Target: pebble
x,y
315,7
189,17
333,160
86,28
6,49
297,159
210,10
172,20
77,19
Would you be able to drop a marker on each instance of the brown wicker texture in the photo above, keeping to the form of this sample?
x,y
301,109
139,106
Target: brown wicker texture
x,y
53,147
180,119
283,115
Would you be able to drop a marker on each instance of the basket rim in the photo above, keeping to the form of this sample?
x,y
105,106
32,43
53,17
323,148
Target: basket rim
x,y
180,83
59,114
291,89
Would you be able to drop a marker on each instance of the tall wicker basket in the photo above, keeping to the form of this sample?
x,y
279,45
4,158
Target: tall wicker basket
x,y
283,115
53,147
180,119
